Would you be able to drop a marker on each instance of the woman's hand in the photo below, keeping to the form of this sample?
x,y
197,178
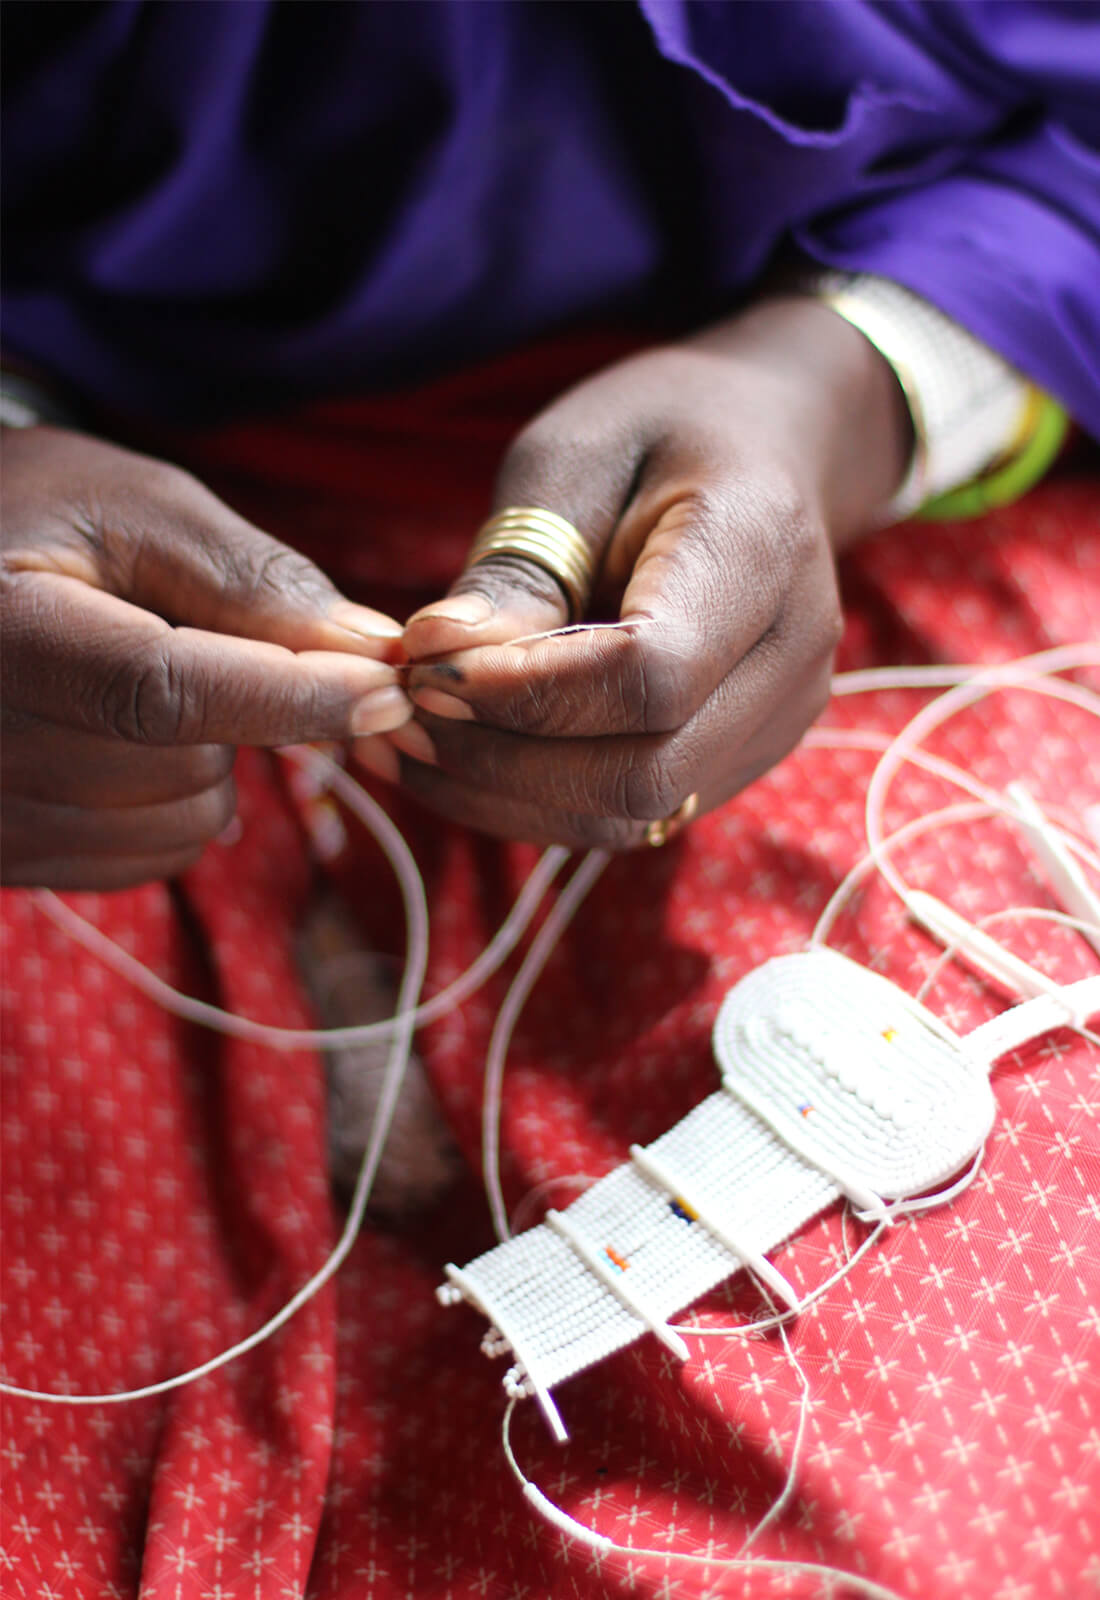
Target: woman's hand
x,y
147,631
715,480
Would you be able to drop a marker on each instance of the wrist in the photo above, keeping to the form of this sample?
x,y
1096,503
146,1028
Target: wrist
x,y
983,433
843,409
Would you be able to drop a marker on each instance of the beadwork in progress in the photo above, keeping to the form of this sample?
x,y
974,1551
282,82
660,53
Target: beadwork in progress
x,y
836,1084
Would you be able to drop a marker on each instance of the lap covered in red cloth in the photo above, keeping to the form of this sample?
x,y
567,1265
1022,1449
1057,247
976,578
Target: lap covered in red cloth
x,y
164,1188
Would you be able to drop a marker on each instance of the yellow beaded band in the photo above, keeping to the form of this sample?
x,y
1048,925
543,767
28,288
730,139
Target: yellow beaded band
x,y
1013,473
549,541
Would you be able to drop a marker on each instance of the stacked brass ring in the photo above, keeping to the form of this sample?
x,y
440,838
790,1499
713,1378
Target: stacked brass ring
x,y
546,539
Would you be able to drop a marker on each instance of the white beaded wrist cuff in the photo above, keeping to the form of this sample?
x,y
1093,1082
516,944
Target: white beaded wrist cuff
x,y
25,404
969,407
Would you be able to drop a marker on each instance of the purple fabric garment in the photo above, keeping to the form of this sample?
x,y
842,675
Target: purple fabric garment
x,y
215,208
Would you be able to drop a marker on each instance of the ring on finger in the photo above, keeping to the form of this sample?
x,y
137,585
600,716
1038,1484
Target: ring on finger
x,y
549,541
665,828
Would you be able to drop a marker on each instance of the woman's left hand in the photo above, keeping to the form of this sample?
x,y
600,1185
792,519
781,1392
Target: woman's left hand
x,y
715,480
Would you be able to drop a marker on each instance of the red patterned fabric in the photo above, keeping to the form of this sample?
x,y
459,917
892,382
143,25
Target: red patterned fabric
x,y
164,1189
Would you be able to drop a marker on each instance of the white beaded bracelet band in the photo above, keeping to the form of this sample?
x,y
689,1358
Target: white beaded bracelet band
x,y
970,408
26,404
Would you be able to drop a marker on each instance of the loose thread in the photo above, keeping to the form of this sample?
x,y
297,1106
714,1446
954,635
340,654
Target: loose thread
x,y
577,627
542,946
1013,675
236,1026
416,960
782,1499
560,1519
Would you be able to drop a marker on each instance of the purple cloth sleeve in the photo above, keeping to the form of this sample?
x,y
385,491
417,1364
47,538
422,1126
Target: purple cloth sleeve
x,y
216,209
998,224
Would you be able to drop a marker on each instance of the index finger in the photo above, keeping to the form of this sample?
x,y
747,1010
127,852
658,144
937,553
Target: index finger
x,y
586,682
83,658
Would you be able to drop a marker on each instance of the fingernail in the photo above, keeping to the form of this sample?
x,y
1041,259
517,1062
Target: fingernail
x,y
362,620
469,609
380,711
379,757
444,669
415,741
443,705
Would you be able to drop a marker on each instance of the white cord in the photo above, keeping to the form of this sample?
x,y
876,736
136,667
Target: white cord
x,y
235,1026
553,1514
1011,675
543,944
999,801
416,959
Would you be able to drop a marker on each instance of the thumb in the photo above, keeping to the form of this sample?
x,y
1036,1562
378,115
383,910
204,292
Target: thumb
x,y
560,464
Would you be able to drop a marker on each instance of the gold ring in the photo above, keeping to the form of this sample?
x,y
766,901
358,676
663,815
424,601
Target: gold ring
x,y
660,832
546,539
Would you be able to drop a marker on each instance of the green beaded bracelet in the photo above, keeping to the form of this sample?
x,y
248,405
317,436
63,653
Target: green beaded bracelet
x,y
1009,481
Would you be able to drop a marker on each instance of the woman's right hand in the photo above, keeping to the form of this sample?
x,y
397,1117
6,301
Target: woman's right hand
x,y
147,631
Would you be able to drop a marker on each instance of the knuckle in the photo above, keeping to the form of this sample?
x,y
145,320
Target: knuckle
x,y
666,691
819,699
259,574
777,532
603,833
551,456
575,459
625,687
502,577
813,619
832,625
801,529
780,505
541,708
652,789
179,861
211,812
819,693
209,765
166,481
145,701
529,457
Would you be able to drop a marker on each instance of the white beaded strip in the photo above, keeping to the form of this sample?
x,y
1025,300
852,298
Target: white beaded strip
x,y
869,1203
834,1082
610,1275
681,1194
477,1295
967,404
